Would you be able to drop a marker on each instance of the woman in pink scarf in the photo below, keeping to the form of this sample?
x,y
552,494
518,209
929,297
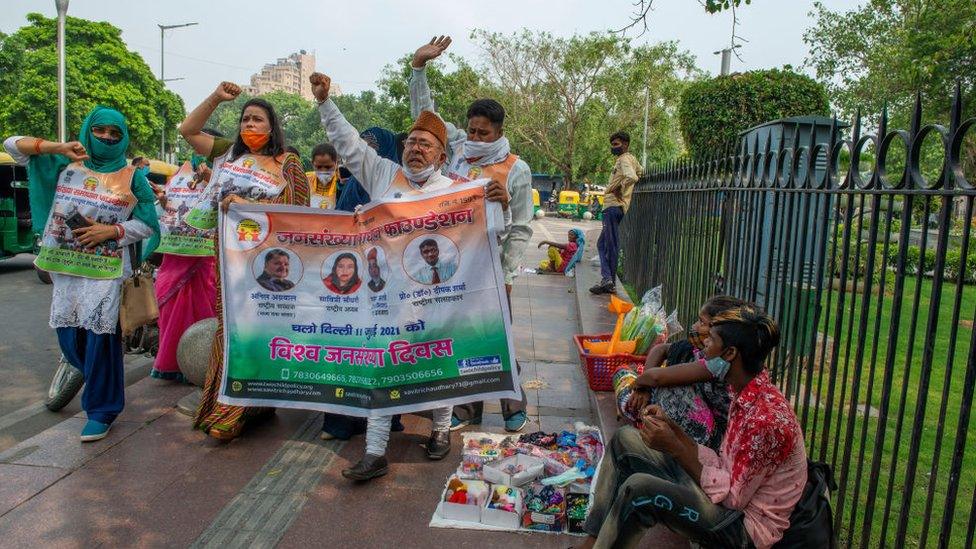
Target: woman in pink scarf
x,y
186,282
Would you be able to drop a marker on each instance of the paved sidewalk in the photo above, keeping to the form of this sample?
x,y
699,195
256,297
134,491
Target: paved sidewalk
x,y
153,482
596,319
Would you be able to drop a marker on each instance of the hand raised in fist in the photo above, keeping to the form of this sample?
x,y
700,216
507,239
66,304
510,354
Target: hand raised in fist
x,y
226,91
74,150
429,51
320,86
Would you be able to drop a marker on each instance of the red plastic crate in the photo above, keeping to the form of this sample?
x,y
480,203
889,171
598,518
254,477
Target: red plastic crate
x,y
600,368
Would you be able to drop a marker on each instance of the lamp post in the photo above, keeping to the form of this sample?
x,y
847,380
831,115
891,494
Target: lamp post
x,y
162,76
62,7
726,59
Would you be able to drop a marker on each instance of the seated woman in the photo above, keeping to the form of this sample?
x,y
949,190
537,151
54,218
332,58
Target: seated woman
x,y
687,390
741,496
563,258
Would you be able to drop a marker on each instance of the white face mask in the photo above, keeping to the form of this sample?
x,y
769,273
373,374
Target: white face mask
x,y
487,153
418,177
325,176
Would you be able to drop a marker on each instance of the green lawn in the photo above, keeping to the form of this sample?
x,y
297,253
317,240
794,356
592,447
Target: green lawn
x,y
841,441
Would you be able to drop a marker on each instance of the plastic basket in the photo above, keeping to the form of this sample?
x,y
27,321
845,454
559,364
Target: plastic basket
x,y
600,368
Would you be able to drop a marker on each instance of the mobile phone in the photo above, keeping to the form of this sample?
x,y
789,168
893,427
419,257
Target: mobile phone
x,y
77,221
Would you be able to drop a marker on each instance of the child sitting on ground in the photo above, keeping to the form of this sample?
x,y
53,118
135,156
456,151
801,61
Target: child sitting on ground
x,y
563,257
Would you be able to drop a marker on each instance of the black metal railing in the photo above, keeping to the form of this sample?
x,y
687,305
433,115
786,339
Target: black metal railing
x,y
861,248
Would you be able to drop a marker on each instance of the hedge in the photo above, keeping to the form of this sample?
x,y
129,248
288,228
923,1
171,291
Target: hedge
x,y
713,112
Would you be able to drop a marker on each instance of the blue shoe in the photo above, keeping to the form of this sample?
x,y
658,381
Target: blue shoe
x,y
94,430
458,423
516,422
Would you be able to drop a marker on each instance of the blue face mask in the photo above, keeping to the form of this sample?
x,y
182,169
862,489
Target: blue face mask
x,y
143,170
718,366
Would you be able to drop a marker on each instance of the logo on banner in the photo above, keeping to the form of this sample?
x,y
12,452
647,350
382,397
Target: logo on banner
x,y
248,162
236,386
395,395
246,230
91,184
340,392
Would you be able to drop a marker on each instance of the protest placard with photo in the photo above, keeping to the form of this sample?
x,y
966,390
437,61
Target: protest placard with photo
x,y
397,308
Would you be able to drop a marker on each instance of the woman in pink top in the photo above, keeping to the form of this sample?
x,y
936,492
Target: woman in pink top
x,y
741,496
560,256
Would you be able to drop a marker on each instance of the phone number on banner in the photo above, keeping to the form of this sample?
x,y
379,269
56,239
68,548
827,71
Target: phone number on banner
x,y
360,380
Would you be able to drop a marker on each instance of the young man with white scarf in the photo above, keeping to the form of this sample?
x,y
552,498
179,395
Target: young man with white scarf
x,y
424,155
482,151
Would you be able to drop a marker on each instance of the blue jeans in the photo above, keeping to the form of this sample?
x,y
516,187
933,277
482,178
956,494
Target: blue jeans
x,y
99,357
609,243
638,488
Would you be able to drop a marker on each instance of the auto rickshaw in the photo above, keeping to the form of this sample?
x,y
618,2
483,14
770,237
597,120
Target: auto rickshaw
x,y
568,203
160,171
593,203
536,203
17,235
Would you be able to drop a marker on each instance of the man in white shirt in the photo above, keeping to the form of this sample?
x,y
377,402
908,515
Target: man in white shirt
x,y
434,270
482,150
424,155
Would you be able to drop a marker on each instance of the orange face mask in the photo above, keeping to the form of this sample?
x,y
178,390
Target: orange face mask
x,y
255,140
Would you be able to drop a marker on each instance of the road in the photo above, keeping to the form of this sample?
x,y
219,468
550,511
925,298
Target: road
x,y
28,347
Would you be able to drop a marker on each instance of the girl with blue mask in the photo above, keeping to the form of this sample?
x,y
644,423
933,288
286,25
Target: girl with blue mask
x,y
691,388
91,208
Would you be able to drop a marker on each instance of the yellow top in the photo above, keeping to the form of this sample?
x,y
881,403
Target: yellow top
x,y
625,174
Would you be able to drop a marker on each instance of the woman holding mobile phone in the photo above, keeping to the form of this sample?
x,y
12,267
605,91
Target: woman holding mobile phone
x,y
90,206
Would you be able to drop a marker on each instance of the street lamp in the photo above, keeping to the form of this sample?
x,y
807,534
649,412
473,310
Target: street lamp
x,y
162,75
62,7
726,58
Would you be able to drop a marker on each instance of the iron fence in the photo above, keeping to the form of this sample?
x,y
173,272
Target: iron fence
x,y
861,247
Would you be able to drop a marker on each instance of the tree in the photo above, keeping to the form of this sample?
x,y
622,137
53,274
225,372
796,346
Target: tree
x,y
299,118
885,51
565,96
714,111
453,91
100,70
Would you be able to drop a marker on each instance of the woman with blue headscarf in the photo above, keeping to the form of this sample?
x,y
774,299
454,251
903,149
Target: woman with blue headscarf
x,y
562,258
97,216
388,145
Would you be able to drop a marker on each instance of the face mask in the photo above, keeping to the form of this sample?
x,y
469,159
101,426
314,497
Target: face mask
x,y
325,176
143,170
482,150
255,140
617,151
718,366
418,177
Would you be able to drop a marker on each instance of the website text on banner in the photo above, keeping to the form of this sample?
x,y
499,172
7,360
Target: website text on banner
x,y
398,308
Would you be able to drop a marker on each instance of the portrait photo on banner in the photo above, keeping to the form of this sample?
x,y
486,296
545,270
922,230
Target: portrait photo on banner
x,y
431,259
277,269
377,269
341,272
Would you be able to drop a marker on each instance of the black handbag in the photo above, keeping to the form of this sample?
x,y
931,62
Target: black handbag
x,y
812,521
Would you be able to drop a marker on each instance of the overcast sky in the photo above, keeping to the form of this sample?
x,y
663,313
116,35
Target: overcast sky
x,y
354,40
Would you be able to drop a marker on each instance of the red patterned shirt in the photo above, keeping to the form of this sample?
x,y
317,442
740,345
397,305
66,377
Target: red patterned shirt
x,y
761,467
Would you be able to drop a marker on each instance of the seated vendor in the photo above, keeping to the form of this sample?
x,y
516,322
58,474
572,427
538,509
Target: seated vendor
x,y
563,257
688,390
740,496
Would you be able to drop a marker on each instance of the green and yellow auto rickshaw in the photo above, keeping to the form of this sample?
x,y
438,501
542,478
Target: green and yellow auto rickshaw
x,y
536,203
17,235
568,203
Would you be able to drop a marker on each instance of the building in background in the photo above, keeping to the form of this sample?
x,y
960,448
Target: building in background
x,y
288,74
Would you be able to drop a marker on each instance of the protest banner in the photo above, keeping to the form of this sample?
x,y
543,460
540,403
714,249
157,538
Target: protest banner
x,y
399,307
176,236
